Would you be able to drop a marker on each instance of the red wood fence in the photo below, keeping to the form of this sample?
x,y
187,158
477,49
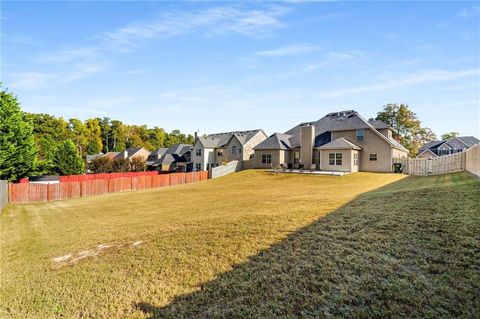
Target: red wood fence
x,y
34,192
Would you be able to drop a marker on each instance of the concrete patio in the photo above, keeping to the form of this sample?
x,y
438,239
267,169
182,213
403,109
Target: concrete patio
x,y
313,172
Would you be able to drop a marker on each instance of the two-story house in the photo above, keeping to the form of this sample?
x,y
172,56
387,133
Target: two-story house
x,y
451,146
340,141
214,149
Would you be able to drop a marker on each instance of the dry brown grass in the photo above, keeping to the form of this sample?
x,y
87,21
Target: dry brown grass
x,y
250,244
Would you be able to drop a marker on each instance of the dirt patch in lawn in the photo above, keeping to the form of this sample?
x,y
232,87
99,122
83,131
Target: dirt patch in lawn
x,y
71,259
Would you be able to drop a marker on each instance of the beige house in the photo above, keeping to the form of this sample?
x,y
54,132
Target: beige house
x,y
132,152
213,149
340,141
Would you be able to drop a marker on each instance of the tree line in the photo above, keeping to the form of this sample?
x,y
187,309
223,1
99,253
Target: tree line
x,y
36,144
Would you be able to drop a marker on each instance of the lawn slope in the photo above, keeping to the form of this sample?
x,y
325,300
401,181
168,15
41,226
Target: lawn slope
x,y
250,245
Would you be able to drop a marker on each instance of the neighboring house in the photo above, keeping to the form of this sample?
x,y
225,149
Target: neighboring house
x,y
155,155
90,158
340,141
213,149
175,158
446,147
132,152
111,155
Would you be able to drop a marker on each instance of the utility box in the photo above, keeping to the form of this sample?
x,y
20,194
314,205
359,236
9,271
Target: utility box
x,y
397,168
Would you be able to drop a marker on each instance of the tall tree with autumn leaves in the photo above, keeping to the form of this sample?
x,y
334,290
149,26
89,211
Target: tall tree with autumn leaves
x,y
408,129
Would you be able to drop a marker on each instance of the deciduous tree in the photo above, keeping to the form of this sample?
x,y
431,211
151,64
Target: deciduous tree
x,y
407,127
449,135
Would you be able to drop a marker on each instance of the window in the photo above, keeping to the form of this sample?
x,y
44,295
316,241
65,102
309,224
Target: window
x,y
266,158
234,150
198,152
360,135
373,157
355,159
240,150
296,157
338,159
208,166
335,159
198,166
220,153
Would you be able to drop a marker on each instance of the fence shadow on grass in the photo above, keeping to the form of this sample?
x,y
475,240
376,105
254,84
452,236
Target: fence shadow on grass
x,y
374,257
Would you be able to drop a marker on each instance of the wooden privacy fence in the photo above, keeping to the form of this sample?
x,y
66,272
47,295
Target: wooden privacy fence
x,y
467,160
34,192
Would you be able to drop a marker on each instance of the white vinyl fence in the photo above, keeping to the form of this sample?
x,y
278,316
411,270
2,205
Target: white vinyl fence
x,y
467,160
222,170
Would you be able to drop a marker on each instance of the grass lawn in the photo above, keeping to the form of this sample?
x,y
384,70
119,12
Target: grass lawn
x,y
250,245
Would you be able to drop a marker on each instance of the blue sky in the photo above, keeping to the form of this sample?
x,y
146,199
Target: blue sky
x,y
219,66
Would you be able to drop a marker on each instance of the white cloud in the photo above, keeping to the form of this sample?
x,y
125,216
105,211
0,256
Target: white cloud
x,y
288,50
30,80
469,12
81,62
219,20
421,77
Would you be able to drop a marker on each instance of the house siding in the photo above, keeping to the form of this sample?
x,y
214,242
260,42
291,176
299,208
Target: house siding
x,y
207,156
248,151
347,160
279,157
371,144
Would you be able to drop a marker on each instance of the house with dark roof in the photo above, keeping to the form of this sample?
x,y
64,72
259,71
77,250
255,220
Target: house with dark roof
x,y
173,159
132,152
214,149
446,147
340,141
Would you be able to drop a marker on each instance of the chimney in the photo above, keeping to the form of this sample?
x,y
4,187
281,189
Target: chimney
x,y
196,135
125,154
307,138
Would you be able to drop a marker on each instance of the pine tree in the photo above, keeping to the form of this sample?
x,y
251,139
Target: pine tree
x,y
17,145
67,159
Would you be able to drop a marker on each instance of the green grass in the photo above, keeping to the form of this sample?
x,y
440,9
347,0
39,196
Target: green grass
x,y
251,245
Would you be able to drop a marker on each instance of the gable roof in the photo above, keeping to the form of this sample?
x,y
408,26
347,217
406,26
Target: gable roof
x,y
179,149
174,154
425,151
339,144
469,140
379,125
341,121
430,145
130,152
454,142
221,139
275,141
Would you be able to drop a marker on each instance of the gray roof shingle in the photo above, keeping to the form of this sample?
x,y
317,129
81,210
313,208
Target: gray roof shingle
x,y
221,139
340,121
275,141
340,144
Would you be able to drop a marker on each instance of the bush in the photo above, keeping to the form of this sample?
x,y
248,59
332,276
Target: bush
x,y
137,164
101,165
120,165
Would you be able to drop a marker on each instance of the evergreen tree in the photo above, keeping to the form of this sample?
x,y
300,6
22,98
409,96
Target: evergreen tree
x,y
17,145
67,160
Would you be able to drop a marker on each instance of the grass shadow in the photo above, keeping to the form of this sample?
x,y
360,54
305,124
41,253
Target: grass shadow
x,y
400,251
